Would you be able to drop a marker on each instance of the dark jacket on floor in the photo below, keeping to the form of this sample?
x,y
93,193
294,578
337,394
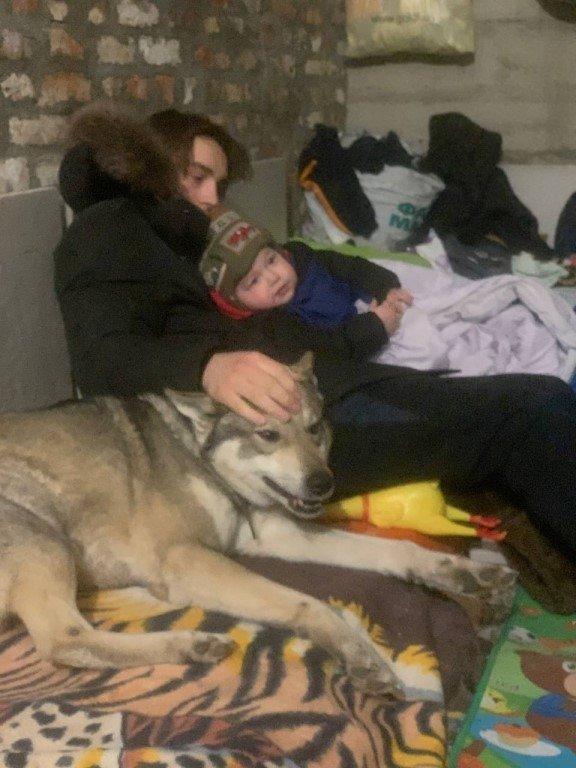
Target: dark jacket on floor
x,y
478,199
137,313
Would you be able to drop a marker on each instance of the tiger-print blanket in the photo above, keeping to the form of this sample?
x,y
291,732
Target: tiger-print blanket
x,y
277,701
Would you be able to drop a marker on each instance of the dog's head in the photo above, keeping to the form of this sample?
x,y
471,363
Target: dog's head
x,y
277,464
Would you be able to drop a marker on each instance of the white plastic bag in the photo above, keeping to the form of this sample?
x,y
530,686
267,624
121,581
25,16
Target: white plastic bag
x,y
386,27
401,198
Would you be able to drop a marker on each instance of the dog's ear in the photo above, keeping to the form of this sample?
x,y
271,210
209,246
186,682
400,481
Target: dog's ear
x,y
303,369
199,409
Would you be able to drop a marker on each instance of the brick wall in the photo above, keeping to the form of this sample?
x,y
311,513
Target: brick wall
x,y
522,83
268,69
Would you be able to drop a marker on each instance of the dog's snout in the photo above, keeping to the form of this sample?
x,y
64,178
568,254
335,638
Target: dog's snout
x,y
320,483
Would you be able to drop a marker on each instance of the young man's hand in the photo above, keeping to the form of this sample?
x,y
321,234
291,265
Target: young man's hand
x,y
253,385
390,310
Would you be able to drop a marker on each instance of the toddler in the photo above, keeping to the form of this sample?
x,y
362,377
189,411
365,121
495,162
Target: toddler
x,y
248,272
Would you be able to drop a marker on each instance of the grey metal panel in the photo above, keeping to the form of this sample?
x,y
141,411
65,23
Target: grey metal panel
x,y
544,189
34,365
263,198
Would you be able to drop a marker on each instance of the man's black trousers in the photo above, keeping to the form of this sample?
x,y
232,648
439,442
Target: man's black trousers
x,y
515,432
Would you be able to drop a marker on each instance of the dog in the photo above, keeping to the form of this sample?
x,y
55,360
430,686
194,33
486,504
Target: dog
x,y
160,490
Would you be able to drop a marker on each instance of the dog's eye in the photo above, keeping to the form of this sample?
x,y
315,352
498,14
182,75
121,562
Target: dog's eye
x,y
314,429
270,435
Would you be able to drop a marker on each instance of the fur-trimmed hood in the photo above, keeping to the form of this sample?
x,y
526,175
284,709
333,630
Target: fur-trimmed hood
x,y
112,154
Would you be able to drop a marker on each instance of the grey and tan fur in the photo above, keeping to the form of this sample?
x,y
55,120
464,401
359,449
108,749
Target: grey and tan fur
x,y
159,491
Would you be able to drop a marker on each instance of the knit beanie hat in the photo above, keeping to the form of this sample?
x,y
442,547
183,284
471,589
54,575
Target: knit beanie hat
x,y
234,244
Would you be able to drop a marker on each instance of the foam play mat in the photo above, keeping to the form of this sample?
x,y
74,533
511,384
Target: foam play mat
x,y
524,711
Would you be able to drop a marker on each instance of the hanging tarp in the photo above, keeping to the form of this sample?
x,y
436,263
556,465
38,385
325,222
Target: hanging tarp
x,y
388,27
560,9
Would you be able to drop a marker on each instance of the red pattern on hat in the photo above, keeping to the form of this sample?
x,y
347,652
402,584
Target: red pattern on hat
x,y
241,234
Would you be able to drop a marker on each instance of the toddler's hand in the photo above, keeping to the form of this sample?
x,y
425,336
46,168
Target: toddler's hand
x,y
389,314
400,298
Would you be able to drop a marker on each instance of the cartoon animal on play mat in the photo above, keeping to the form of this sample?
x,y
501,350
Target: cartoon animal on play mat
x,y
552,715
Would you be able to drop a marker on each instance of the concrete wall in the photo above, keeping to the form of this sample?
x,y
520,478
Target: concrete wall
x,y
522,83
268,69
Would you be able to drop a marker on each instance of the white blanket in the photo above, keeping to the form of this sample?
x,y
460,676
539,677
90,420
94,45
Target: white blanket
x,y
504,324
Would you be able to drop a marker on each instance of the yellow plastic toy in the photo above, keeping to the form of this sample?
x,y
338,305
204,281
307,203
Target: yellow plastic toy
x,y
420,506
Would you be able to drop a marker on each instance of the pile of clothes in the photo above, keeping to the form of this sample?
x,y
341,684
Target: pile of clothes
x,y
379,192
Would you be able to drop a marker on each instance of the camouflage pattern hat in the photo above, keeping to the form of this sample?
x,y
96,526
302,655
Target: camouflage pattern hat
x,y
233,246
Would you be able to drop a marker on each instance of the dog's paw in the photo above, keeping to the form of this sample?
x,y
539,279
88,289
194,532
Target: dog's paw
x,y
369,672
206,647
493,585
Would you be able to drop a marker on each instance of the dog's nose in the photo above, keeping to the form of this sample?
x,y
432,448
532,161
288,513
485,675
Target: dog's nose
x,y
320,483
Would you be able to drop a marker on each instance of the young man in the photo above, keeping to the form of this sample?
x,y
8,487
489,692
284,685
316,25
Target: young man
x,y
139,317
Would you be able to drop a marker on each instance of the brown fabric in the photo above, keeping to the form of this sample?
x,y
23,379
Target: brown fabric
x,y
408,615
546,573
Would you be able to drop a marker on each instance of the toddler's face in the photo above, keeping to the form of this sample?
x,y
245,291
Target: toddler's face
x,y
270,283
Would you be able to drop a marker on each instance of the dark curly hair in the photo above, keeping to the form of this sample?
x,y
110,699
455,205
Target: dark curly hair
x,y
177,130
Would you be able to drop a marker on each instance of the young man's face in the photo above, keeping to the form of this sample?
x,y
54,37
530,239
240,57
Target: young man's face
x,y
204,182
270,283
